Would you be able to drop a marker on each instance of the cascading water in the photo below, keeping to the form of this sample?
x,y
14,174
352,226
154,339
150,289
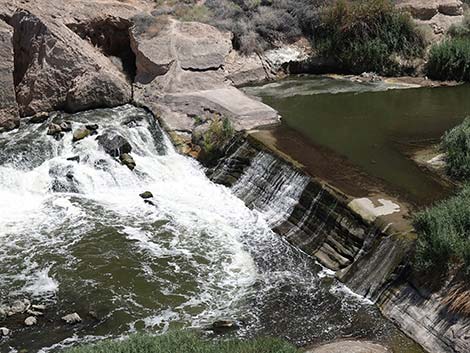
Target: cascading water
x,y
270,187
75,235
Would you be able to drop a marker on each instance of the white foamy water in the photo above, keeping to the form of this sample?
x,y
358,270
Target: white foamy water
x,y
78,236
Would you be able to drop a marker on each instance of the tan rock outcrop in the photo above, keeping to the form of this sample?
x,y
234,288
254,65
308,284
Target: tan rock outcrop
x,y
180,76
8,109
439,15
56,69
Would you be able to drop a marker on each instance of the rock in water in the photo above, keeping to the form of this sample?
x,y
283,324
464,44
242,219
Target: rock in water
x,y
92,127
54,129
224,325
146,195
72,318
39,118
114,144
30,321
4,331
66,126
19,306
128,161
80,134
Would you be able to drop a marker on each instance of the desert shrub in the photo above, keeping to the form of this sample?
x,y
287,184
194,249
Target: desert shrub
x,y
450,60
258,25
444,234
462,29
213,139
368,35
183,342
456,144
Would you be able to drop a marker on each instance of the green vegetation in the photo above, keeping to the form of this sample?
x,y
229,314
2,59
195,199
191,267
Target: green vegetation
x,y
368,36
183,342
444,229
444,234
450,60
215,139
456,145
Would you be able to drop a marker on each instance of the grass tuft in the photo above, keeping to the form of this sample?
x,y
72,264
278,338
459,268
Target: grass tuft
x,y
184,342
450,60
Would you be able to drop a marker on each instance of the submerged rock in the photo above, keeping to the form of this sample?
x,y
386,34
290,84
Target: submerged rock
x,y
128,161
146,195
114,144
39,118
74,159
19,306
92,127
80,134
72,318
30,321
3,313
224,325
4,331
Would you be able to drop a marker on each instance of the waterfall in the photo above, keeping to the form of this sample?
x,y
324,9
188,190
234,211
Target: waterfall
x,y
270,187
76,235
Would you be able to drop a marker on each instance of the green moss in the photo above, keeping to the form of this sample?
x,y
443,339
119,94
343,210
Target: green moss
x,y
450,60
368,35
184,342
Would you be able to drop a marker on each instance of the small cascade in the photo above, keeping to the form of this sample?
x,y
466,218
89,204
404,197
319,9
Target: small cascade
x,y
271,187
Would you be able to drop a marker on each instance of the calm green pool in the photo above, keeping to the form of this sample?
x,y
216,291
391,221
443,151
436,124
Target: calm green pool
x,y
372,126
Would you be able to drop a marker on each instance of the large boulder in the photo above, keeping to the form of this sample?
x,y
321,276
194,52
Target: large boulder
x,y
188,80
114,144
8,108
56,69
160,42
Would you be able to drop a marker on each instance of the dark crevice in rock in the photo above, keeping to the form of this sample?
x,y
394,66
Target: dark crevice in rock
x,y
23,47
111,36
192,69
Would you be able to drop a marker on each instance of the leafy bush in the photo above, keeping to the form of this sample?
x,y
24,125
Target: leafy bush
x,y
183,342
444,234
450,60
367,35
456,145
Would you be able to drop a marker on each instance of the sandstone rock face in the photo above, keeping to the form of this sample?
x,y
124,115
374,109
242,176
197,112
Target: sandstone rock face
x,y
437,14
8,109
56,69
181,77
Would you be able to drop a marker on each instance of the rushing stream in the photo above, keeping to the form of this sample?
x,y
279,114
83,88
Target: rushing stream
x,y
76,236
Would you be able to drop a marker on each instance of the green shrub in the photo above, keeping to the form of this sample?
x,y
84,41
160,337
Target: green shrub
x,y
462,29
183,342
368,35
214,140
444,234
456,144
450,60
